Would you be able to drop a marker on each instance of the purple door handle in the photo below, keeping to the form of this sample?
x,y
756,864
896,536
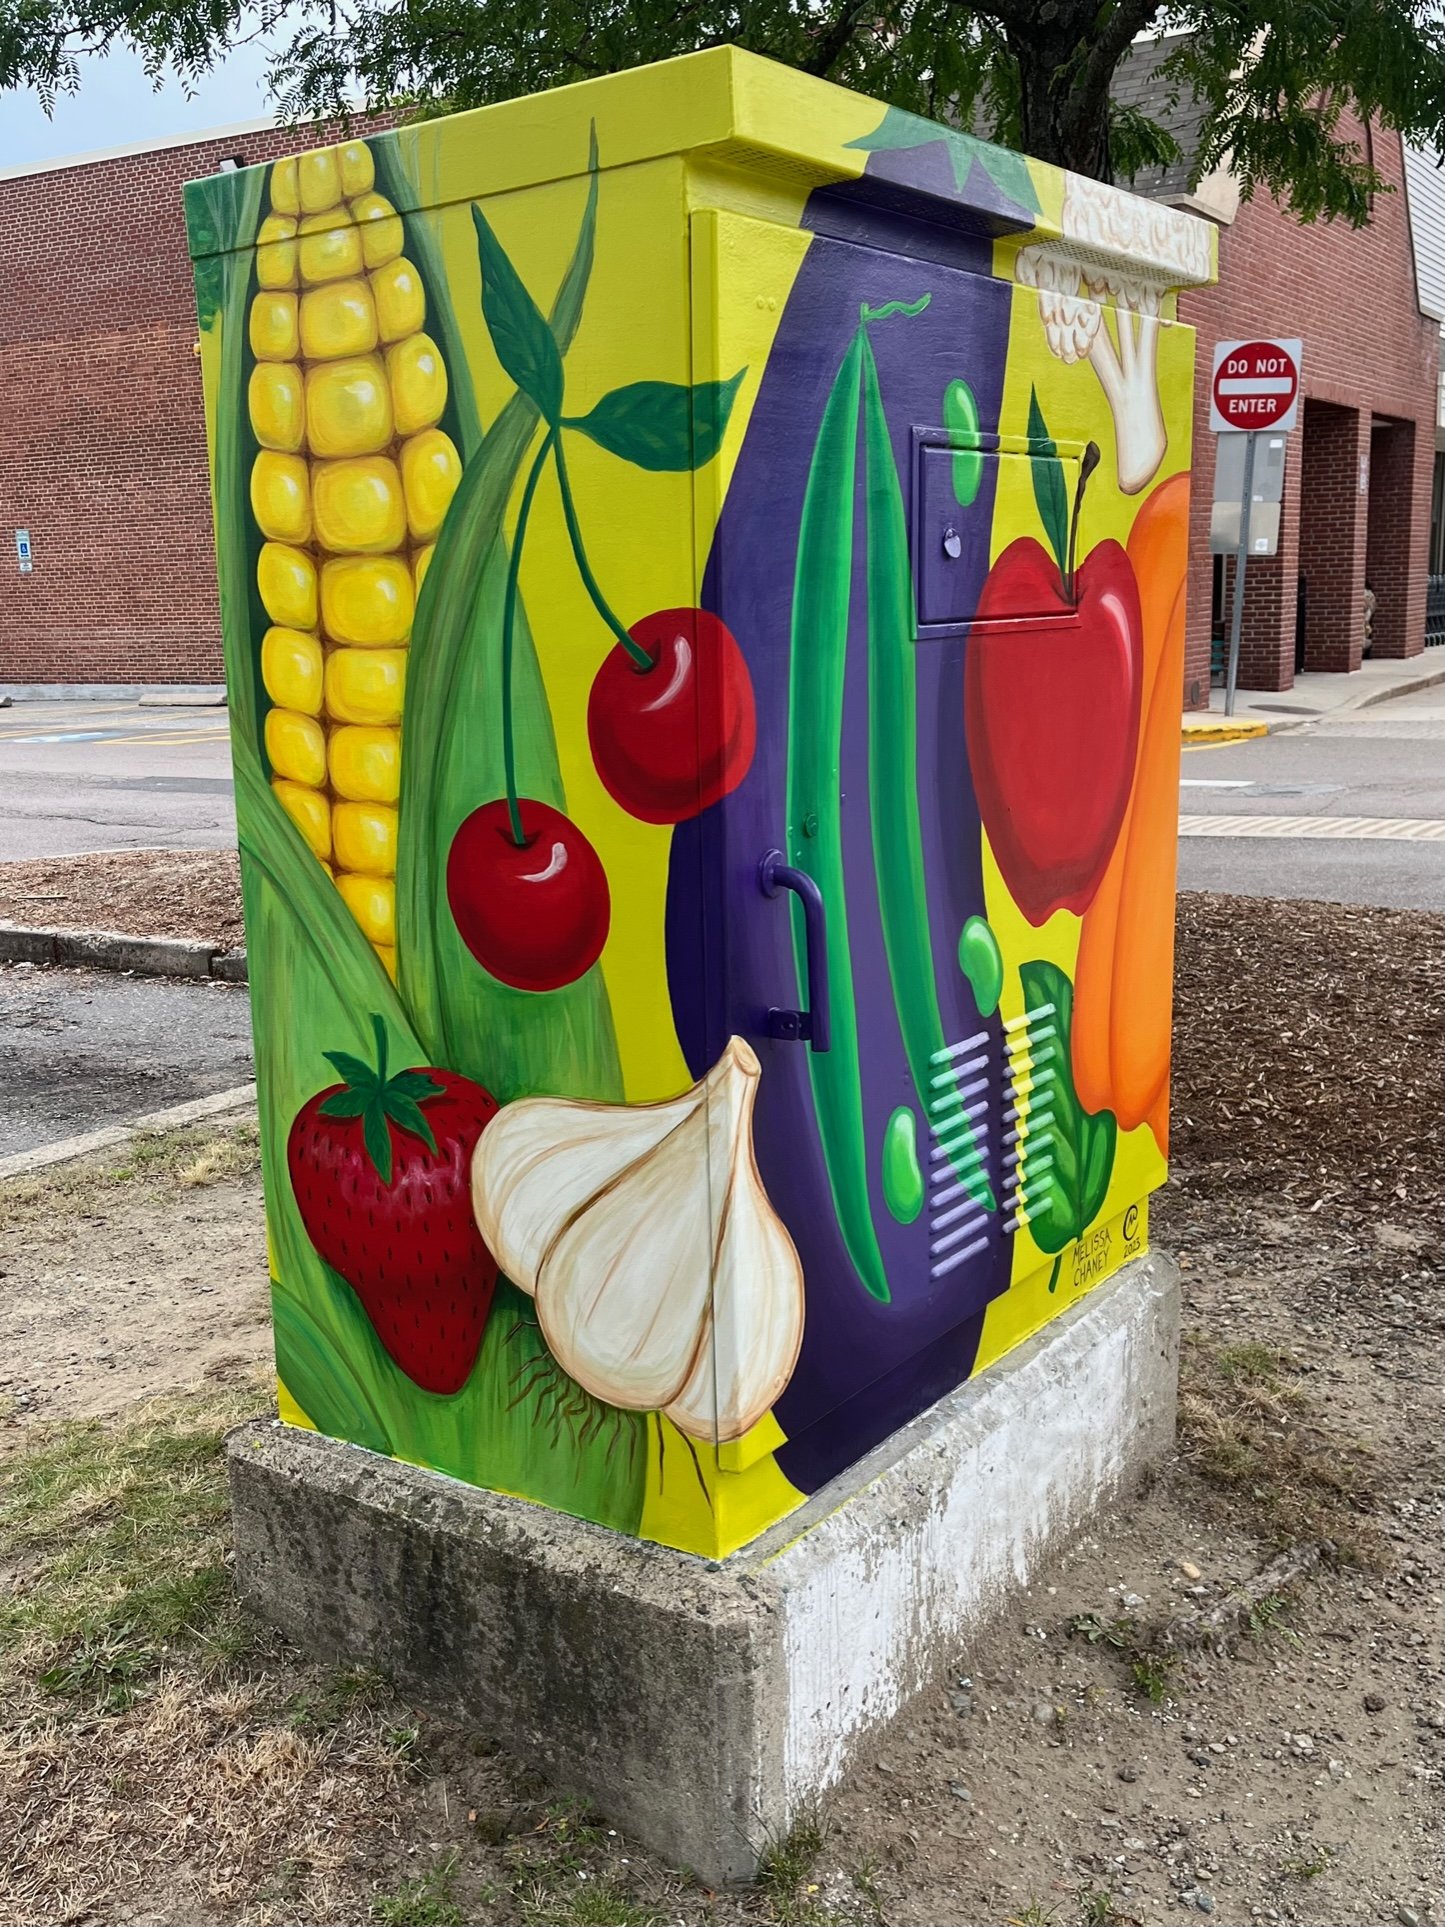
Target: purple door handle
x,y
810,1025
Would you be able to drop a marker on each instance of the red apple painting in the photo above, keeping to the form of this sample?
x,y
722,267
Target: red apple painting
x,y
1052,693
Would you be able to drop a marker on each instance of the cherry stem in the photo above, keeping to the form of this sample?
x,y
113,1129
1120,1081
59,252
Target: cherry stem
x,y
640,658
1087,464
509,623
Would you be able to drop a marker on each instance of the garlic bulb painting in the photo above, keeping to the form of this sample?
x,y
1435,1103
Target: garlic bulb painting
x,y
663,1279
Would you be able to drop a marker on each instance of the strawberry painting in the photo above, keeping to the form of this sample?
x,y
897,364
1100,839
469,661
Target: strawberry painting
x,y
380,1166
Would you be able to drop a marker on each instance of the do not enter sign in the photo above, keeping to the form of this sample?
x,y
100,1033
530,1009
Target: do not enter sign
x,y
1256,385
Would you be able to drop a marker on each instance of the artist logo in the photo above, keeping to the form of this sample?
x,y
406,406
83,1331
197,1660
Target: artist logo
x,y
1131,1223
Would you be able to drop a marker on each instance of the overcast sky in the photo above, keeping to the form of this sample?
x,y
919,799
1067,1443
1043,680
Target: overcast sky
x,y
117,105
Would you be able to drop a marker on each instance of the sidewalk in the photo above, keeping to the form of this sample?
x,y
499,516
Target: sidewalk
x,y
1261,712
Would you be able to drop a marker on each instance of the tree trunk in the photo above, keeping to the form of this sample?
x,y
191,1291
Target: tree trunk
x,y
1061,120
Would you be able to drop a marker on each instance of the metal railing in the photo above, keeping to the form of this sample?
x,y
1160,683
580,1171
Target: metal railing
x,y
1435,611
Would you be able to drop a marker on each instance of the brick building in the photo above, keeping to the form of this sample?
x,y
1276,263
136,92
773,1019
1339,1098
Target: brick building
x,y
103,454
1360,465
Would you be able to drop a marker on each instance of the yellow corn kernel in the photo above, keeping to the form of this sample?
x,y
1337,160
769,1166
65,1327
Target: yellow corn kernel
x,y
273,396
336,320
318,180
367,600
273,326
420,563
357,168
418,379
365,838
276,252
400,300
372,901
348,407
359,506
365,685
387,953
280,497
309,810
283,186
286,579
365,763
329,247
291,669
296,746
382,235
430,471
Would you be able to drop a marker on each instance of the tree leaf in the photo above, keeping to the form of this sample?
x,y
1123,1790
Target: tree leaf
x,y
1067,1161
524,344
1050,493
665,426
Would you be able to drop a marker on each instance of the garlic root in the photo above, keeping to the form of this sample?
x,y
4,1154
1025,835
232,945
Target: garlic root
x,y
663,1278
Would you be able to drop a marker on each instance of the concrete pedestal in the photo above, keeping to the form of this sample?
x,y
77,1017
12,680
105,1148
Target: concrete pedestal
x,y
703,1706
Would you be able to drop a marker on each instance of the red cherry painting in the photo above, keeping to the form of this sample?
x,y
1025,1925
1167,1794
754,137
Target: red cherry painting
x,y
1052,718
533,913
669,740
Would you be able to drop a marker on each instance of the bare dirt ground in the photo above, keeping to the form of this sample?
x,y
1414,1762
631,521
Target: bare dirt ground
x,y
164,1761
142,893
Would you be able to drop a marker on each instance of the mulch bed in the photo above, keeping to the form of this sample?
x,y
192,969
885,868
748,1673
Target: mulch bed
x,y
140,893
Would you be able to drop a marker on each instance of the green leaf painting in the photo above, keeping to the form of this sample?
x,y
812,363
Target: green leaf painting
x,y
1068,1152
662,425
1050,493
902,132
524,343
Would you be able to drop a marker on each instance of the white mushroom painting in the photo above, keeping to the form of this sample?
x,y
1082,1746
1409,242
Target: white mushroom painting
x,y
1096,310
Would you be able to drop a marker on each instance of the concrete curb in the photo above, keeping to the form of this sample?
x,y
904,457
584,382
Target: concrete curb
x,y
112,950
1224,732
1237,729
198,1110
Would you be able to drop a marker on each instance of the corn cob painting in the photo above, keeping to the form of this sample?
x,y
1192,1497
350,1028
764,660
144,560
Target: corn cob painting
x,y
350,483
699,696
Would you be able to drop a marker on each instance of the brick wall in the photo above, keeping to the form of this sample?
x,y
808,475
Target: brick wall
x,y
103,453
1368,353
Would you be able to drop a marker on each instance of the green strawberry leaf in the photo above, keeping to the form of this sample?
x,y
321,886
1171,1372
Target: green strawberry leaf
x,y
1050,493
376,1135
357,1074
665,426
407,1115
899,132
351,1103
524,344
419,1085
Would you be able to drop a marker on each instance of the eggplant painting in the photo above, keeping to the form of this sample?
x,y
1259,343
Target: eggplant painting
x,y
702,576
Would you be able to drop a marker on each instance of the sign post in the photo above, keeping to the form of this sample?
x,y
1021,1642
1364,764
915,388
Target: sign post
x,y
1255,387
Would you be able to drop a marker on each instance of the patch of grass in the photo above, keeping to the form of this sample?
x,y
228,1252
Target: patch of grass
x,y
120,1531
1308,1866
185,1159
1035,1914
1151,1672
338,1694
584,1902
786,1863
426,1902
1249,1430
1268,1616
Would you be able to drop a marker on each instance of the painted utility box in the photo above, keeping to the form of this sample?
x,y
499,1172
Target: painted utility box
x,y
702,564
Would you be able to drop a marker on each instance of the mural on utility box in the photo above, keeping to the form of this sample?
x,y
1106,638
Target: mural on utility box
x,y
703,699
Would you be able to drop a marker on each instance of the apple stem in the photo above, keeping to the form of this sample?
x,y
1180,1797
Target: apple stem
x,y
640,658
1088,463
509,623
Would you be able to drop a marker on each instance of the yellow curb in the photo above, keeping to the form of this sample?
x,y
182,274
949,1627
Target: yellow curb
x,y
1207,735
